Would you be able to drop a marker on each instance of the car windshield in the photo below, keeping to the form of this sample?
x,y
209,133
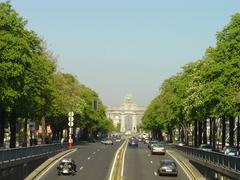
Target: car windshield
x,y
168,163
157,145
232,150
206,146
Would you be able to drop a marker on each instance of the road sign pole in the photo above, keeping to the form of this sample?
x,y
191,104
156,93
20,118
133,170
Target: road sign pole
x,y
70,124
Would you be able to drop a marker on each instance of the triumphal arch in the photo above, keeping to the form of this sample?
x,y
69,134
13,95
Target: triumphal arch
x,y
128,115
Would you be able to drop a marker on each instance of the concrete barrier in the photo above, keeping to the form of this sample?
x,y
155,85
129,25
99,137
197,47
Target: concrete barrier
x,y
36,173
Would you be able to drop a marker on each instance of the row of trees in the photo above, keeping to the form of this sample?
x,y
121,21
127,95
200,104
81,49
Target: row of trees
x,y
204,94
31,89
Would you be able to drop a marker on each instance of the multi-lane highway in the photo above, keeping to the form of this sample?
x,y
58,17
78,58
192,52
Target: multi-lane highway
x,y
95,160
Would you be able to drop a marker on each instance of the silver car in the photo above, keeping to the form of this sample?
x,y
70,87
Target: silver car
x,y
158,149
168,167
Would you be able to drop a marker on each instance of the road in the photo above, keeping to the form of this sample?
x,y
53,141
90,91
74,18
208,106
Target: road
x,y
141,165
93,161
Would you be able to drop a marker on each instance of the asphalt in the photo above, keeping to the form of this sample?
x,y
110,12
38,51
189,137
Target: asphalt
x,y
141,165
94,161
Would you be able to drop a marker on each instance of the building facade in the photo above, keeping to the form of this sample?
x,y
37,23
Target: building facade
x,y
128,116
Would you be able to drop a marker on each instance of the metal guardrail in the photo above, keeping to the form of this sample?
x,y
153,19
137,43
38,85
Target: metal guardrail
x,y
26,152
231,163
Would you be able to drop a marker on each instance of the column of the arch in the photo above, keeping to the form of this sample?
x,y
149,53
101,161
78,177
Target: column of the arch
x,y
122,123
134,123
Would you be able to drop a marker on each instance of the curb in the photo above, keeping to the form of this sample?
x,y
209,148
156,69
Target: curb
x,y
192,171
46,164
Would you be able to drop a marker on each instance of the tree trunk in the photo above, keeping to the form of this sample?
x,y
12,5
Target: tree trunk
x,y
199,133
13,121
2,124
195,133
214,133
223,132
231,130
238,132
160,136
170,132
25,133
205,132
43,130
85,133
187,135
210,133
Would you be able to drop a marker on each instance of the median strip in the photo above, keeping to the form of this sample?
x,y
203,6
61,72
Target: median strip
x,y
117,167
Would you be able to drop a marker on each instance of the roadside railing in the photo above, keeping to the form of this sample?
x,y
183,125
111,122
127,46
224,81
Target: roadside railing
x,y
27,152
231,163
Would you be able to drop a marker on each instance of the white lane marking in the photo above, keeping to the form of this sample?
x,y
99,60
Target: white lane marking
x,y
155,173
94,152
151,162
123,160
179,164
149,155
81,168
46,170
89,158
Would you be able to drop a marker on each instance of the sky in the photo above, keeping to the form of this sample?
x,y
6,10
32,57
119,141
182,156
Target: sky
x,y
129,46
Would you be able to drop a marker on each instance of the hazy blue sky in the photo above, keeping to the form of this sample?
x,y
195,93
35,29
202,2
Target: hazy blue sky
x,y
126,46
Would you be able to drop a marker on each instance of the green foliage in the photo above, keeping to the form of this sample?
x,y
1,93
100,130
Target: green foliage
x,y
30,86
207,88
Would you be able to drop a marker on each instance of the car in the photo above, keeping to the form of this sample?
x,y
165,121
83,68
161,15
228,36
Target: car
x,y
107,142
230,151
66,167
133,142
150,144
92,140
167,167
205,147
146,141
118,140
158,149
181,144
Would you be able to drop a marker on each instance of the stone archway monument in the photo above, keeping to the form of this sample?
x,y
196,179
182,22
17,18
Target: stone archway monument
x,y
128,115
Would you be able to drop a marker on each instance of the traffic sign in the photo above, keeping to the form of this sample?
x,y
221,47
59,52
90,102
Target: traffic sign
x,y
70,119
70,123
70,140
70,114
70,131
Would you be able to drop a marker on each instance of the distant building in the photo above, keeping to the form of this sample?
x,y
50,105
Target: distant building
x,y
128,115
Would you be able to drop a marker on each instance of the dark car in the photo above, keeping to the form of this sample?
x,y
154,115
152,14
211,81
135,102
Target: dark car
x,y
230,151
66,166
168,167
205,147
133,143
92,140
